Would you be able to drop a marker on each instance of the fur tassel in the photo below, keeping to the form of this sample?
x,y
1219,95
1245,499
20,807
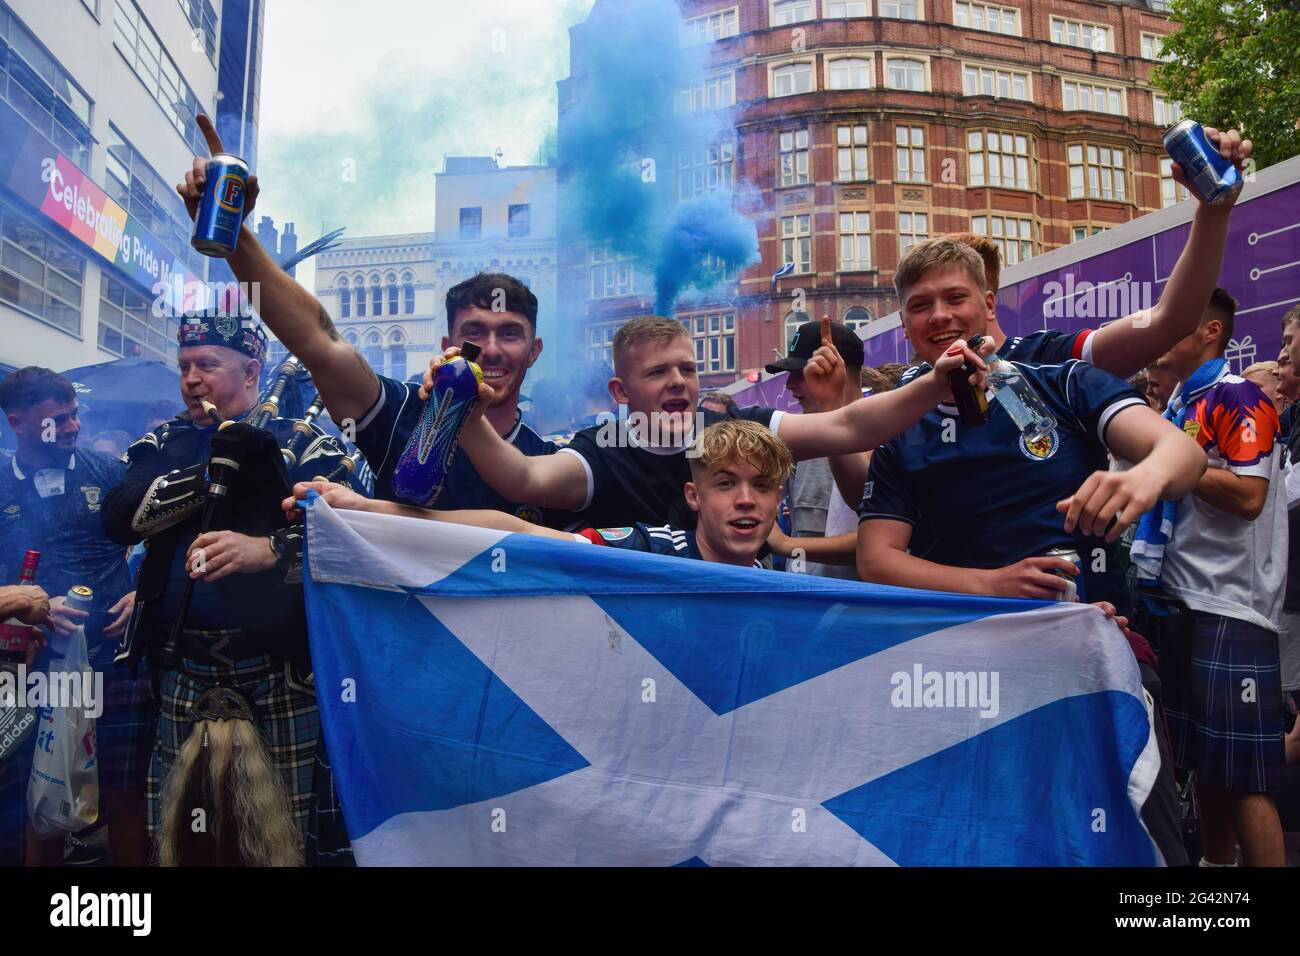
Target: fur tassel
x,y
223,769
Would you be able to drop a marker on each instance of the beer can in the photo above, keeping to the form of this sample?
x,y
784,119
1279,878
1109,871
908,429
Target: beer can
x,y
80,597
221,210
1071,592
1212,177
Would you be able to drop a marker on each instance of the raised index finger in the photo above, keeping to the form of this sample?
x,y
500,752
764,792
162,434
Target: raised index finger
x,y
210,134
826,330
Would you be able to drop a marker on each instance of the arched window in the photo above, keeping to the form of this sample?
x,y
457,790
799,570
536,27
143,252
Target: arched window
x,y
361,301
373,352
791,79
792,322
857,318
396,355
345,297
850,73
376,296
392,293
351,339
905,73
408,292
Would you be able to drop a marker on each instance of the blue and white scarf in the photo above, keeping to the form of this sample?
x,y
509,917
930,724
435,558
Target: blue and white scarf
x,y
1155,527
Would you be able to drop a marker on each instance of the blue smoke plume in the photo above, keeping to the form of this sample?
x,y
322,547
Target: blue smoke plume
x,y
621,145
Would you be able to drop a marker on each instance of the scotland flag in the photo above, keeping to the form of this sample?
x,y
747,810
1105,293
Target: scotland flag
x,y
498,699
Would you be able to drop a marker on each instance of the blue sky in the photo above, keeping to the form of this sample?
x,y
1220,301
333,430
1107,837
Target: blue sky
x,y
361,100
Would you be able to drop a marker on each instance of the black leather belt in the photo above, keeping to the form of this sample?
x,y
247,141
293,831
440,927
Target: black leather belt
x,y
220,648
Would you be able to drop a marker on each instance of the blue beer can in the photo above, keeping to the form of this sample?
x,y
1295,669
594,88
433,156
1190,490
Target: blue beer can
x,y
221,210
1212,177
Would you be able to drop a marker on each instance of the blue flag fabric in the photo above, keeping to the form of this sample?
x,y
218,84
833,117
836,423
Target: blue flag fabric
x,y
498,699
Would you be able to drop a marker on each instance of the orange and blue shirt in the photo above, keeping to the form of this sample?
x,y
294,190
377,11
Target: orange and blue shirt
x,y
1216,562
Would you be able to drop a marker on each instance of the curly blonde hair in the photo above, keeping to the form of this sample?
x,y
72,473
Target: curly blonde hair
x,y
736,440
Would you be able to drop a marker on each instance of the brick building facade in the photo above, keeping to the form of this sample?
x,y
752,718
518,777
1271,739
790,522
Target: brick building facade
x,y
864,126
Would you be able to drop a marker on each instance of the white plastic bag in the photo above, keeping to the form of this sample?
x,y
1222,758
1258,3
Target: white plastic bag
x,y
63,792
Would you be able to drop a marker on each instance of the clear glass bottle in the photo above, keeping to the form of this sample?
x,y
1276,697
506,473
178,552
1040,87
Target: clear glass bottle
x,y
1020,399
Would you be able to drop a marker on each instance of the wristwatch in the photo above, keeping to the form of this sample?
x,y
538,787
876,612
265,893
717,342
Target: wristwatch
x,y
276,538
286,545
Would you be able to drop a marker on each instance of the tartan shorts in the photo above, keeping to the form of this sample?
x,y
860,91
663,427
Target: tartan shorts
x,y
287,718
1223,700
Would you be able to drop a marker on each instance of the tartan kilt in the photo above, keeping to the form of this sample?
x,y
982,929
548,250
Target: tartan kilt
x,y
1230,743
287,718
125,731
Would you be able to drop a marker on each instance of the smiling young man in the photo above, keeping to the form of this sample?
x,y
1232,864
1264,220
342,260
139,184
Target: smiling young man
x,y
737,473
975,509
632,470
1126,346
496,312
925,521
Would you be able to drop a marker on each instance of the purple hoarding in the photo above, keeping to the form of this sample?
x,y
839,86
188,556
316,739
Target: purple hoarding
x,y
770,393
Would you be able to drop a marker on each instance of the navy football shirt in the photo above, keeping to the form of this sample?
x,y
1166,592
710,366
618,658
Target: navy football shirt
x,y
664,539
629,483
1048,347
982,498
64,525
382,436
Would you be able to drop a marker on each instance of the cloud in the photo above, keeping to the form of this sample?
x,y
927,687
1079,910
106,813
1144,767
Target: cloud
x,y
360,102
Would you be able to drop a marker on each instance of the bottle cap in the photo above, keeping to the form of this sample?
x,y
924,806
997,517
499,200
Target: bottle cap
x,y
469,351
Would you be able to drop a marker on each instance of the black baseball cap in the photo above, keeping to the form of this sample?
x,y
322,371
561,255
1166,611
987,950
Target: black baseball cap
x,y
808,339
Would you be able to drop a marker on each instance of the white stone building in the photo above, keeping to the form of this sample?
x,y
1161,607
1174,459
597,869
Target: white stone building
x,y
387,294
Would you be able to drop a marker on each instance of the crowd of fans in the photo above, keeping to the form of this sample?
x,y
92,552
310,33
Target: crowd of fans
x,y
1162,495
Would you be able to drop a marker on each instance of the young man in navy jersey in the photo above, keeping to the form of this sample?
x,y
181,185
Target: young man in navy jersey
x,y
926,524
1125,347
496,312
974,509
737,475
508,338
628,471
51,493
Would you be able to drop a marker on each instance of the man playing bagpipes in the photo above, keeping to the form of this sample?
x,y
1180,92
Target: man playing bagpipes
x,y
219,609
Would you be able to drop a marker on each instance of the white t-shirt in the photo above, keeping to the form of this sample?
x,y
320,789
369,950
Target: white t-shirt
x,y
1216,562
